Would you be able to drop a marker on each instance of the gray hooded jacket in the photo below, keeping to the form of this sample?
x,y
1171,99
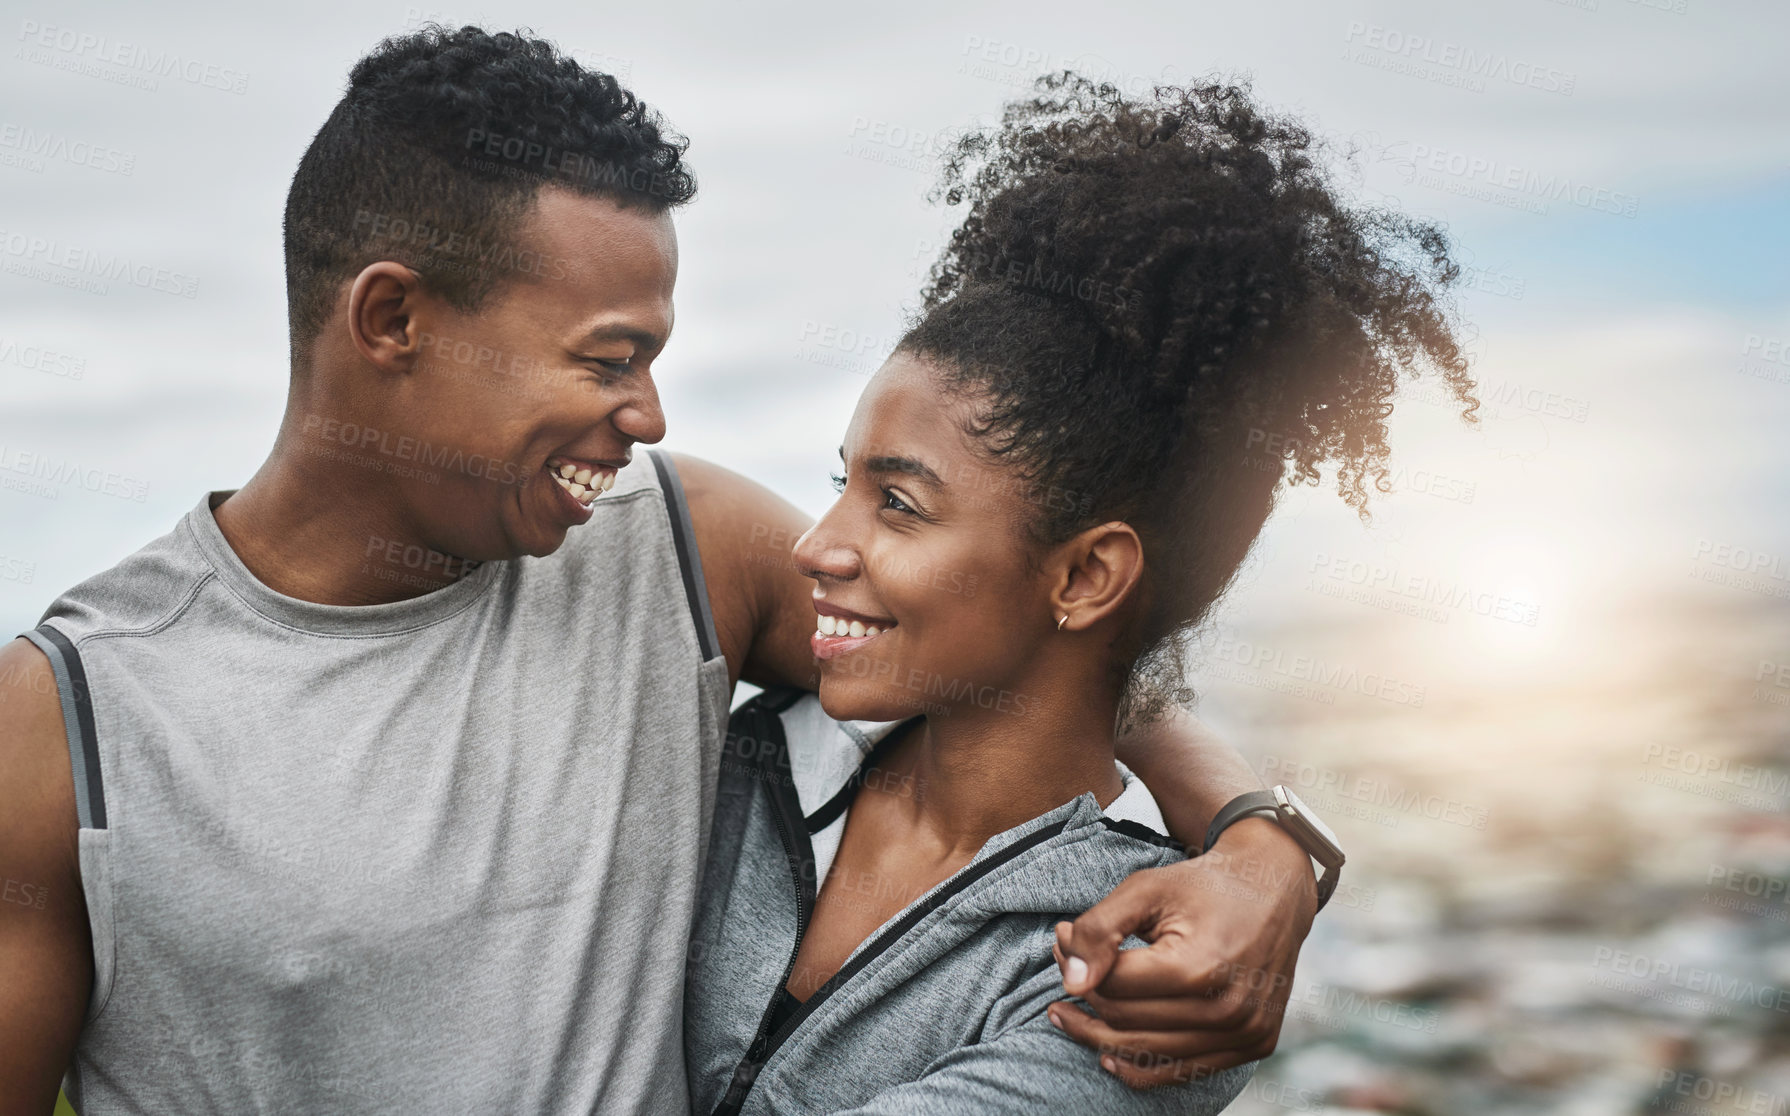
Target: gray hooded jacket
x,y
942,1010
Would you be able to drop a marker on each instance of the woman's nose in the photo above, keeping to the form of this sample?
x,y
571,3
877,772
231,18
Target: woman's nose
x,y
822,553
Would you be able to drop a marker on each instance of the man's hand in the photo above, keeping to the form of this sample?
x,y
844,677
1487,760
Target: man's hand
x,y
1210,990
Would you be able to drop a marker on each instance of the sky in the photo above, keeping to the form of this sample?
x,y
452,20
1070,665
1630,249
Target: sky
x,y
1613,173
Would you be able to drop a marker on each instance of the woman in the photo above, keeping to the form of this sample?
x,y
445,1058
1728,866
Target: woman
x,y
1142,297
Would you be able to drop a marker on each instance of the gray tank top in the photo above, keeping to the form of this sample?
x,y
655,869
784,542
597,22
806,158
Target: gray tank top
x,y
438,855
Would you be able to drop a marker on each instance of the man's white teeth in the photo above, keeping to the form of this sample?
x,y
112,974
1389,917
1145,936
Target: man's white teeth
x,y
840,626
583,483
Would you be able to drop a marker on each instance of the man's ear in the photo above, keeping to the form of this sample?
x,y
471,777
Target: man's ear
x,y
1095,573
382,316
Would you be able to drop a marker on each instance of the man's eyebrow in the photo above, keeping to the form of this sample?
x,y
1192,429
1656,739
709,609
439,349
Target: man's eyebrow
x,y
906,466
644,339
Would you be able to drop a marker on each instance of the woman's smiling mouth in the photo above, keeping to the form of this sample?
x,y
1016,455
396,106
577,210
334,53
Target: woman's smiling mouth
x,y
838,631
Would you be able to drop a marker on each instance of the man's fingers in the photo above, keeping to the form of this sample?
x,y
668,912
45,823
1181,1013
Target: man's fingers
x,y
1145,1059
1166,1013
1093,939
1164,969
1177,1042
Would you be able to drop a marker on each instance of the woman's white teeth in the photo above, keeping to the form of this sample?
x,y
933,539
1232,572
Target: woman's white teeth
x,y
577,490
567,470
582,476
840,626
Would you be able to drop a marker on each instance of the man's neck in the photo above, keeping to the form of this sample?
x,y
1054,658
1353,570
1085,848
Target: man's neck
x,y
308,532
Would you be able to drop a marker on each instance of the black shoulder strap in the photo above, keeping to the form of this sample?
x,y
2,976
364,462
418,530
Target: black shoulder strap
x,y
683,536
77,721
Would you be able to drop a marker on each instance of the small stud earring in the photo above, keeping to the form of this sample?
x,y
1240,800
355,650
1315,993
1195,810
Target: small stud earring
x,y
1060,622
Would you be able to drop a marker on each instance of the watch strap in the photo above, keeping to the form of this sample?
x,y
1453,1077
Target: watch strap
x,y
1243,806
1248,805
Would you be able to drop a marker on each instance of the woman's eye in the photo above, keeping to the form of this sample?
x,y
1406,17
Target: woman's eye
x,y
838,482
895,503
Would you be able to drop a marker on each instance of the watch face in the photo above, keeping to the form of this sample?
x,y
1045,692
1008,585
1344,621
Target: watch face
x,y
1327,850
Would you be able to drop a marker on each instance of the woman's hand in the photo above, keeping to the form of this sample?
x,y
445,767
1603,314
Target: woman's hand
x,y
1210,990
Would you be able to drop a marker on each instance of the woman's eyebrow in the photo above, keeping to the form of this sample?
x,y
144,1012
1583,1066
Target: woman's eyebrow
x,y
906,466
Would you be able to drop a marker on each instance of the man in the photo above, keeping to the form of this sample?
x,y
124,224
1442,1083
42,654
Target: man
x,y
385,779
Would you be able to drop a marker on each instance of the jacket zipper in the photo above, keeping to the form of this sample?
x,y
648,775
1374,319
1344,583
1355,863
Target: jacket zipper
x,y
765,1046
787,812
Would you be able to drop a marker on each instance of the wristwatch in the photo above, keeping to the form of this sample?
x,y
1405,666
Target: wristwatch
x,y
1296,818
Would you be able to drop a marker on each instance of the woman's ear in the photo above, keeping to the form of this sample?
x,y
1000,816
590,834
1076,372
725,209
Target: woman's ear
x,y
1094,574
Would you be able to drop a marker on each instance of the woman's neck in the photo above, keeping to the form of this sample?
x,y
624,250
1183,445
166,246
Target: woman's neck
x,y
976,773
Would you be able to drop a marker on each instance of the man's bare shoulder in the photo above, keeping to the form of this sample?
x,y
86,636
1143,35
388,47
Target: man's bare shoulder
x,y
745,533
46,953
34,765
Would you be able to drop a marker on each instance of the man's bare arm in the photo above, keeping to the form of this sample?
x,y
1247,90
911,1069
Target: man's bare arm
x,y
46,950
763,607
1224,928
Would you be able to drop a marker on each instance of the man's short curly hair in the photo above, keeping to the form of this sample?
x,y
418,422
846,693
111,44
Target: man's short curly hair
x,y
1162,306
437,150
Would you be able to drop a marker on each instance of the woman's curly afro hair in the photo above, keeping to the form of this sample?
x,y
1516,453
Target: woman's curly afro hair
x,y
1161,306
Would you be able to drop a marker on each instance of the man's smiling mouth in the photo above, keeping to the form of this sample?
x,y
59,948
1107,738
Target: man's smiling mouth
x,y
584,481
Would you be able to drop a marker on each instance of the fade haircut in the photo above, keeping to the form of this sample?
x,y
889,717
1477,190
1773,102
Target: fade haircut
x,y
435,154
